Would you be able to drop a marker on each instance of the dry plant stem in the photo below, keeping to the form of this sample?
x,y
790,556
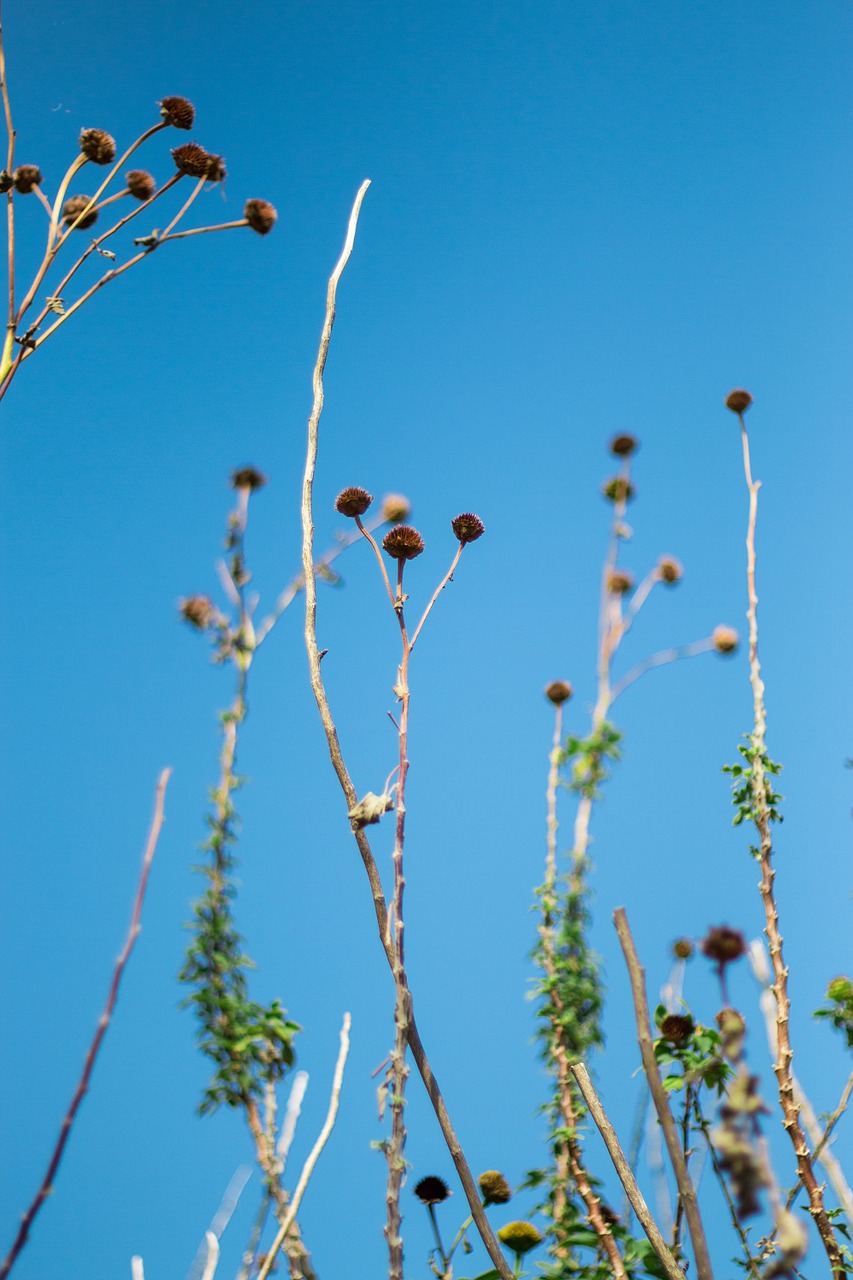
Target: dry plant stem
x,y
660,659
623,1169
686,1190
379,905
448,577
197,231
367,534
316,1150
103,1023
10,167
298,1258
782,1066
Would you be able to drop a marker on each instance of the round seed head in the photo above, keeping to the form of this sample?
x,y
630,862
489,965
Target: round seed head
x,y
140,184
191,159
619,582
723,944
432,1190
738,401
98,146
198,611
25,177
353,501
260,215
403,542
682,949
74,206
216,170
178,112
558,692
248,478
840,989
395,508
7,182
618,489
670,570
624,446
521,1237
725,639
468,527
676,1027
494,1187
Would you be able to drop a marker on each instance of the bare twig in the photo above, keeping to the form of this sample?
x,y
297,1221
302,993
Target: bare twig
x,y
10,207
103,1023
660,659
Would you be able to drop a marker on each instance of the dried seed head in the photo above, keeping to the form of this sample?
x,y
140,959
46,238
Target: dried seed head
x,y
521,1237
619,582
494,1187
179,112
725,639
216,170
468,527
558,692
191,159
198,611
624,446
98,146
25,177
732,1033
723,944
676,1027
7,182
738,401
682,949
403,542
248,478
618,489
395,508
140,184
432,1190
670,570
353,501
73,207
260,215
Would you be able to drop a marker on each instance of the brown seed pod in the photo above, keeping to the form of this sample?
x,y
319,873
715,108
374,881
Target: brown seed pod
x,y
179,112
403,542
558,692
75,206
432,1190
682,948
468,527
676,1027
140,184
670,570
191,159
494,1187
98,146
738,401
723,944
353,501
260,215
26,177
216,170
248,478
624,446
198,611
619,582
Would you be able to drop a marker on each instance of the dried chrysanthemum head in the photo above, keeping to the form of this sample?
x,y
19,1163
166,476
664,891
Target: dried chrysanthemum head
x,y
216,170
670,570
468,527
98,146
191,159
248,478
682,948
732,1033
179,112
26,177
618,489
74,206
723,944
395,508
353,501
677,1028
260,215
725,639
140,184
738,401
624,446
558,692
619,582
521,1237
494,1187
432,1190
198,611
403,542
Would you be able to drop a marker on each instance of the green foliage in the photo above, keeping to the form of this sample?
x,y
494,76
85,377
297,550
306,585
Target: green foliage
x,y
746,778
839,1009
589,758
698,1057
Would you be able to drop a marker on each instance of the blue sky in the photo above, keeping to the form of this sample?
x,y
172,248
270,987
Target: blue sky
x,y
584,218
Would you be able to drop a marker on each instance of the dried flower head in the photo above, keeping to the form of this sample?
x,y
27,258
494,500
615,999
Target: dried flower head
x,y
98,146
26,177
624,446
738,401
468,527
260,215
198,611
677,1028
725,639
74,206
395,508
619,582
248,478
682,948
353,501
618,489
558,692
7,182
216,170
494,1187
432,1190
732,1033
403,542
140,184
521,1237
723,944
191,159
179,112
670,570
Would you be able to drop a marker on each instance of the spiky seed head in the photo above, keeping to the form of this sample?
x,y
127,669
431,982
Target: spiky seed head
x,y
619,582
98,146
26,177
403,542
468,527
618,489
179,112
216,170
624,446
738,401
395,508
494,1187
248,478
725,639
670,570
521,1237
353,501
432,1190
260,215
682,948
140,184
676,1027
7,181
198,611
76,205
723,944
558,692
191,159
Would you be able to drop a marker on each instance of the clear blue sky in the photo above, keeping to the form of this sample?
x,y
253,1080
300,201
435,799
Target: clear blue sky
x,y
585,218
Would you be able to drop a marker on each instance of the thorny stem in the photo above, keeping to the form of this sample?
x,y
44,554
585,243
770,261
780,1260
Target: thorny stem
x,y
103,1023
761,816
350,794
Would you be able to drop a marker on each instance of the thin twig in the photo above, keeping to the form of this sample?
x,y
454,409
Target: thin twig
x,y
103,1023
10,207
660,659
